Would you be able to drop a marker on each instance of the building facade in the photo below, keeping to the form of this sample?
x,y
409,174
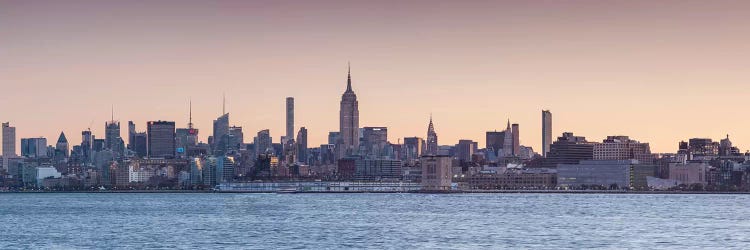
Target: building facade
x,y
161,139
436,172
349,121
546,132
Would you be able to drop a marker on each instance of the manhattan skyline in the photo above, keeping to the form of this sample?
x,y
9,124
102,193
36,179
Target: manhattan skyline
x,y
602,69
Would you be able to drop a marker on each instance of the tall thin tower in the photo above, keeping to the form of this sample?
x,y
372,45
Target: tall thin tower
x,y
546,131
349,120
289,118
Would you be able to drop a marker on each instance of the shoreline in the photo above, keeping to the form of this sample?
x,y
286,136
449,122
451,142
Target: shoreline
x,y
379,192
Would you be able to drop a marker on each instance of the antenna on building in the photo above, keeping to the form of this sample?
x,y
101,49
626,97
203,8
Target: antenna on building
x,y
190,116
223,103
113,113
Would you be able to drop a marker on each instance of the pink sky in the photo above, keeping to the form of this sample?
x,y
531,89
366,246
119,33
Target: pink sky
x,y
658,71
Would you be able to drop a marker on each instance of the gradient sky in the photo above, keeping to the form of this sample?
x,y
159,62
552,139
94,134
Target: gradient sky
x,y
658,71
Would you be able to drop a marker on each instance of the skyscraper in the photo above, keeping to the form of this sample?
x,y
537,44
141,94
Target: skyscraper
x,y
349,120
546,131
302,145
112,133
465,149
161,139
432,140
413,148
516,140
508,141
9,140
289,118
34,147
221,132
263,142
62,145
131,134
494,140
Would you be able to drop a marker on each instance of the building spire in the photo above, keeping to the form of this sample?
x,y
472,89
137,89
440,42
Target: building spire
x,y
349,77
112,113
190,116
223,103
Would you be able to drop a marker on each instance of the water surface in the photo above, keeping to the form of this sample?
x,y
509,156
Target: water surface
x,y
401,221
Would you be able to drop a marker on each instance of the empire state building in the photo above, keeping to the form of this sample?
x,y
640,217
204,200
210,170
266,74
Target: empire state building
x,y
349,120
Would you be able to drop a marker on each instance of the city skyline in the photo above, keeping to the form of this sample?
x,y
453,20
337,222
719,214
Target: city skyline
x,y
650,82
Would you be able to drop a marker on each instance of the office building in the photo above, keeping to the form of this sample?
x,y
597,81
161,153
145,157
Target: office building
x,y
263,143
9,140
374,140
34,147
546,132
302,152
431,145
62,147
604,174
464,150
161,139
377,169
140,144
494,141
111,134
349,121
412,148
516,140
569,149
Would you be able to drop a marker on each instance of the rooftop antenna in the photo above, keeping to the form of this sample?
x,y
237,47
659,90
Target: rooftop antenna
x,y
113,113
190,117
223,103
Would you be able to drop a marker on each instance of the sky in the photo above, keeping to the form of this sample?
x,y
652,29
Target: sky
x,y
658,71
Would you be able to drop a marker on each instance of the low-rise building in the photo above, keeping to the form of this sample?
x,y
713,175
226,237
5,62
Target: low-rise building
x,y
436,172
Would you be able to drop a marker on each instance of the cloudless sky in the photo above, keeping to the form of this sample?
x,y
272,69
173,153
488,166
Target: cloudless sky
x,y
658,71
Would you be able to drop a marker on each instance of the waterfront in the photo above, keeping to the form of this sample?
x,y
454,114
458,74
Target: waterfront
x,y
318,221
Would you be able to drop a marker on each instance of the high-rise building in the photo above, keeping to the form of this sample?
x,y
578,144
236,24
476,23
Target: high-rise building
x,y
9,140
263,142
131,134
508,141
140,144
34,147
546,132
236,138
62,145
494,140
187,138
289,118
225,169
516,140
111,134
161,139
221,133
333,137
413,148
465,149
374,139
431,147
349,120
302,145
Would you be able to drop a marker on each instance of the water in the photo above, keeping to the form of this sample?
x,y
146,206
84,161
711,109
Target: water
x,y
390,221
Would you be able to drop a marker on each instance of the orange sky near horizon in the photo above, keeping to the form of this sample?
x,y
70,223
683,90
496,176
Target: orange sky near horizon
x,y
657,71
